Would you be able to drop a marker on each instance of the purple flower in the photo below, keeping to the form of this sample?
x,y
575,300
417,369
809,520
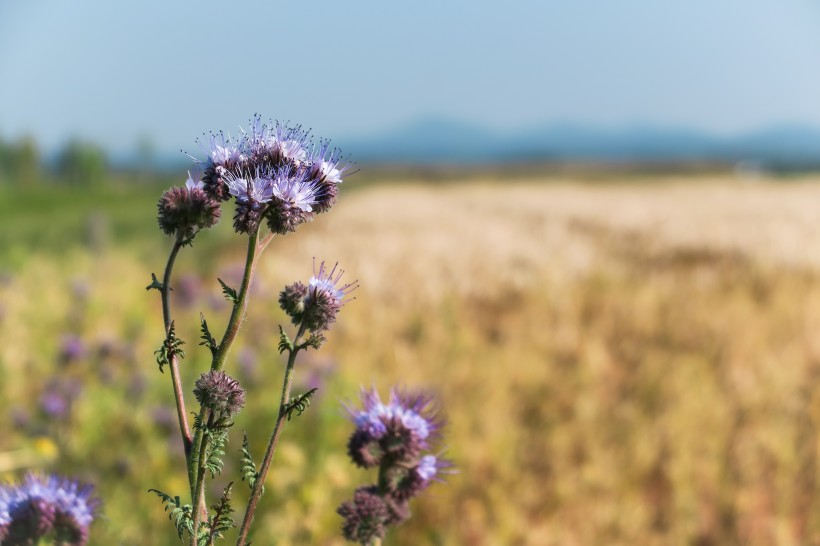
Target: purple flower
x,y
413,412
274,168
276,144
185,210
42,505
54,404
366,516
222,150
317,304
251,190
251,193
72,348
295,190
220,393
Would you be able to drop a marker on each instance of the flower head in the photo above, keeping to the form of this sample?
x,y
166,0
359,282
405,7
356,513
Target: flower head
x,y
39,506
185,210
220,393
327,168
399,429
393,436
365,516
222,150
252,191
317,304
274,170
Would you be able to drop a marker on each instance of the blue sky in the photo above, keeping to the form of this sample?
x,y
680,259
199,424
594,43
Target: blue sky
x,y
114,72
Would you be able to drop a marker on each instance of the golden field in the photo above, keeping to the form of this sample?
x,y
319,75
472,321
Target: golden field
x,y
630,362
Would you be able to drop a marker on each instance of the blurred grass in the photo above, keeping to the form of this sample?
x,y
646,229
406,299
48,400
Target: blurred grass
x,y
622,363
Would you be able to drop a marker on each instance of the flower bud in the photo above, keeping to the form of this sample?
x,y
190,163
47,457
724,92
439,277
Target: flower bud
x,y
183,211
365,516
291,300
220,393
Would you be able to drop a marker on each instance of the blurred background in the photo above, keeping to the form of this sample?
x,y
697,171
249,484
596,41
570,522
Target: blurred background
x,y
592,228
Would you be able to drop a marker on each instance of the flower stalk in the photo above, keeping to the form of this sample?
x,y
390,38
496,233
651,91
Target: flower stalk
x,y
259,484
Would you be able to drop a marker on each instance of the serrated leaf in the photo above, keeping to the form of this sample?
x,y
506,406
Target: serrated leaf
x,y
171,347
229,292
285,344
299,403
207,339
248,466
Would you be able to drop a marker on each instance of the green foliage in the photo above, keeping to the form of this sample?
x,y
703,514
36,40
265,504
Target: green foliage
x,y
299,403
221,521
155,284
229,292
216,440
314,341
285,344
170,348
82,164
180,514
207,339
248,467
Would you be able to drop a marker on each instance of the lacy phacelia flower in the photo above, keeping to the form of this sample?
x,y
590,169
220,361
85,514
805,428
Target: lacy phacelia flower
x,y
327,169
220,393
184,211
295,196
316,305
303,177
392,436
42,506
400,429
251,192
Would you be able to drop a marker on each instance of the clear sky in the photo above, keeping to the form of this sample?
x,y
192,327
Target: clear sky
x,y
114,71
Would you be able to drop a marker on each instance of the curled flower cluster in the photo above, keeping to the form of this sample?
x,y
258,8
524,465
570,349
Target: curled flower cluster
x,y
185,210
396,437
220,393
316,305
46,506
274,172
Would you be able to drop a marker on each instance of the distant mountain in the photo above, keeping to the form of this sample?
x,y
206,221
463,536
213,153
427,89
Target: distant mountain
x,y
444,141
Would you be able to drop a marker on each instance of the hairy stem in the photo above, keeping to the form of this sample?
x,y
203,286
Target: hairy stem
x,y
184,430
256,492
199,488
218,362
238,312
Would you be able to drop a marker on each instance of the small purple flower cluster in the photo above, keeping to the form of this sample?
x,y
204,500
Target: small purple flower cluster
x,y
220,393
46,506
316,305
396,437
273,172
186,210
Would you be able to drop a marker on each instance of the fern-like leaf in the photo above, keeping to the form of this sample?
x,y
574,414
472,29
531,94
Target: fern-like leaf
x,y
215,450
315,341
171,347
221,521
180,514
248,468
207,339
299,403
285,344
229,292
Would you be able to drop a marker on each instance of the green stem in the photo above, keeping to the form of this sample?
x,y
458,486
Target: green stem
x,y
199,488
184,429
238,312
256,492
218,362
